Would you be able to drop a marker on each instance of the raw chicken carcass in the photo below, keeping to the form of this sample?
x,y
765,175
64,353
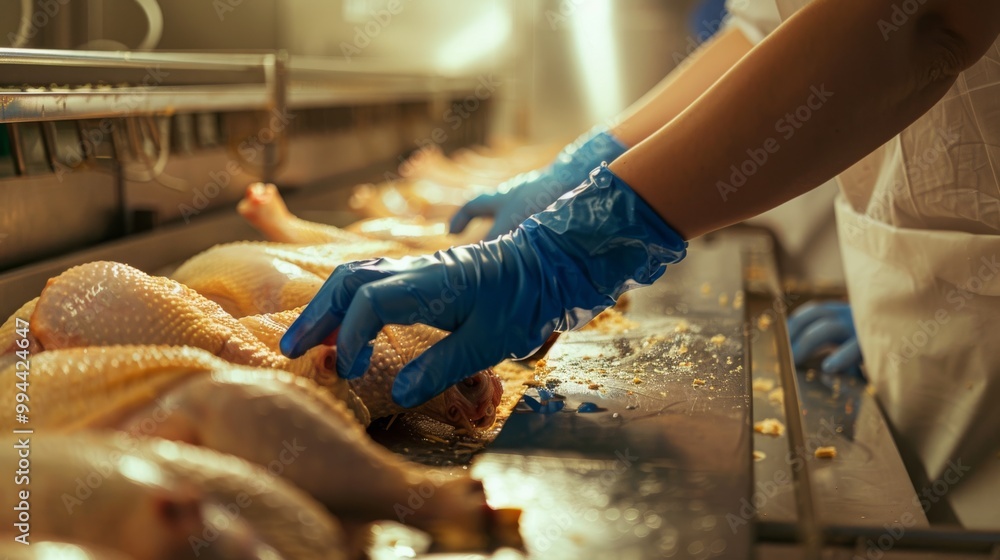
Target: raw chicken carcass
x,y
409,199
469,404
105,303
264,208
158,499
11,335
423,235
506,158
267,417
250,278
431,164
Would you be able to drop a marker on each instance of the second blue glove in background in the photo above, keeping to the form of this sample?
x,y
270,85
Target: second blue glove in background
x,y
816,326
532,192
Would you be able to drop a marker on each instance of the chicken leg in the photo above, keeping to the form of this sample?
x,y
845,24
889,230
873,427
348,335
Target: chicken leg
x,y
267,417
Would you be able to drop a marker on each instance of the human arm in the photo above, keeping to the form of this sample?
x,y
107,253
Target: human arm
x,y
864,88
681,87
529,193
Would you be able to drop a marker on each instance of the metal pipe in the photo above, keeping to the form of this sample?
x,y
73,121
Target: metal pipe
x,y
14,133
276,76
130,59
809,531
50,145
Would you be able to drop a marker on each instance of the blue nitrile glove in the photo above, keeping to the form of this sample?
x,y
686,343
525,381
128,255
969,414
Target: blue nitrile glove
x,y
499,299
815,326
532,192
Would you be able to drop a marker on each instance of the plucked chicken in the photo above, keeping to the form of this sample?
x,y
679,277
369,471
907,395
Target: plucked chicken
x,y
107,303
9,339
264,208
476,397
157,499
435,187
104,303
250,278
268,417
433,165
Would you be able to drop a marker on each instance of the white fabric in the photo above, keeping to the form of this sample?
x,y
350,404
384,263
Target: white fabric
x,y
919,220
927,308
755,19
758,18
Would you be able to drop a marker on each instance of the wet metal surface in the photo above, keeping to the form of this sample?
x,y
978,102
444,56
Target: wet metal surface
x,y
660,468
866,484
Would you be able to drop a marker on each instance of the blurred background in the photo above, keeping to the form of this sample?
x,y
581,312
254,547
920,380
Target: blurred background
x,y
564,64
123,116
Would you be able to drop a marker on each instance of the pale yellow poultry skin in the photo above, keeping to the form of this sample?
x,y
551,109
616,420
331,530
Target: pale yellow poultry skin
x,y
105,303
263,208
268,417
250,277
470,404
148,499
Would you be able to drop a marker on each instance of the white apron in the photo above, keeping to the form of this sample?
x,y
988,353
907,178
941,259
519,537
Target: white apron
x,y
919,227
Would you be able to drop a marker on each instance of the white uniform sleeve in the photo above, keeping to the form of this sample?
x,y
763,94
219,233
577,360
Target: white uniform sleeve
x,y
755,18
758,18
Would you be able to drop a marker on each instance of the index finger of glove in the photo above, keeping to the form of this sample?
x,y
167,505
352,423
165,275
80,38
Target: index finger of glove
x,y
845,359
326,310
816,336
809,313
457,356
428,297
482,205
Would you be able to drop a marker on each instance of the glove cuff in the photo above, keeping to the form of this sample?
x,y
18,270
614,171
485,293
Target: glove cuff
x,y
601,240
588,151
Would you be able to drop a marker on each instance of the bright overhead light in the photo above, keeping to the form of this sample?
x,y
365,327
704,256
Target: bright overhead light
x,y
597,57
476,41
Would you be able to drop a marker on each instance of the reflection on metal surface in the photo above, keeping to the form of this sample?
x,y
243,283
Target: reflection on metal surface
x,y
170,83
660,469
866,485
628,507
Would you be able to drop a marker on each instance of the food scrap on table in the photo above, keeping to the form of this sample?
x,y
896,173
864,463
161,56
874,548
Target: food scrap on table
x,y
762,384
827,452
769,427
610,321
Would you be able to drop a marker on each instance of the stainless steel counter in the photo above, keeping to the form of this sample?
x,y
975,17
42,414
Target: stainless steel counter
x,y
663,469
660,468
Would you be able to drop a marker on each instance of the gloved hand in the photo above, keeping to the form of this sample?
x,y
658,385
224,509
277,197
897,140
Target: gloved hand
x,y
815,326
532,192
499,299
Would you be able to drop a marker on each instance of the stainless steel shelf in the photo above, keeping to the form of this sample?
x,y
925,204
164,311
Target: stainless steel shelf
x,y
29,106
46,85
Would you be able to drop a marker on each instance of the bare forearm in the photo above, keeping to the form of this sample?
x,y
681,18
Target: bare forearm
x,y
822,91
681,87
